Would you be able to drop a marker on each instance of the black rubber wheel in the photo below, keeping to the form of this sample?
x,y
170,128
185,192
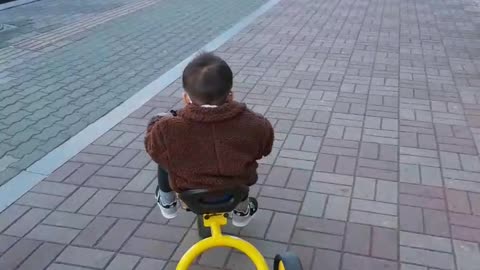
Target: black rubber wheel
x,y
290,261
203,231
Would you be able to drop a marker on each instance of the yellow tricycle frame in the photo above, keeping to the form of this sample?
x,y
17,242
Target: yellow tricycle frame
x,y
215,222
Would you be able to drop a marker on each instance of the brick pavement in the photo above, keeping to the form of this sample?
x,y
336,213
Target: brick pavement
x,y
57,79
375,166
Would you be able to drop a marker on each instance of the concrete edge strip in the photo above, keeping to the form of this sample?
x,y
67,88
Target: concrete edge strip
x,y
15,4
23,182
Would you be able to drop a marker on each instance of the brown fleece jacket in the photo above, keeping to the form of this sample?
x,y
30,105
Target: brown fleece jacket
x,y
210,147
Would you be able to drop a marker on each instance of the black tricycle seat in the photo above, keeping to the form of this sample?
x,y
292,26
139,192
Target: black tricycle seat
x,y
210,201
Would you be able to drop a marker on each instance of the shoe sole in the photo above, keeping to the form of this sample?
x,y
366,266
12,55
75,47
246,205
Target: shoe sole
x,y
242,224
167,215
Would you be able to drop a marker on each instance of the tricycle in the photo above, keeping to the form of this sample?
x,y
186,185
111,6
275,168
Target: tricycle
x,y
212,208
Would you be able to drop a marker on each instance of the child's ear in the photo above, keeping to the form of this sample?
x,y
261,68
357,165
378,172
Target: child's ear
x,y
186,98
230,96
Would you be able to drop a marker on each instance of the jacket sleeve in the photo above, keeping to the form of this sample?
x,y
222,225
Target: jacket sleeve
x,y
269,138
155,143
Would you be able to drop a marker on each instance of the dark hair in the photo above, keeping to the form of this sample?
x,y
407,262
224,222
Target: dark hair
x,y
207,79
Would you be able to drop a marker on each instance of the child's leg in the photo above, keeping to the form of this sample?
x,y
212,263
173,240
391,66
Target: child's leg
x,y
166,197
165,192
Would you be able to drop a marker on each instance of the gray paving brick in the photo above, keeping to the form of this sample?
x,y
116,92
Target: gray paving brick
x,y
373,206
149,248
101,150
94,231
326,259
82,174
458,201
387,191
259,225
465,233
421,190
52,233
337,208
117,172
125,211
96,203
77,199
139,161
326,163
108,137
106,182
28,221
282,193
436,222
281,227
407,266
295,163
423,202
319,240
377,173
465,220
384,243
475,202
298,155
299,179
77,255
54,188
6,242
364,188
333,178
42,257
150,264
357,239
161,232
10,215
373,219
306,255
425,242
123,157
428,258
76,221
321,225
341,190
279,205
117,235
354,262
466,254
314,204
19,252
278,176
123,262
64,171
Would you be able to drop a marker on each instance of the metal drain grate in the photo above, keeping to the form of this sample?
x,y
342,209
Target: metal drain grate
x,y
6,27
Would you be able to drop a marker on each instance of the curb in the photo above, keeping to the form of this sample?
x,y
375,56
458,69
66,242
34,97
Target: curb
x,y
16,3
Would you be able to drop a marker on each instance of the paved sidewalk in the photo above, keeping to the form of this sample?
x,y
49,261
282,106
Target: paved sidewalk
x,y
376,110
73,61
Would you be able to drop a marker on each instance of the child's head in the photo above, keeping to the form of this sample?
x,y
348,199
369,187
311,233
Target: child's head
x,y
207,79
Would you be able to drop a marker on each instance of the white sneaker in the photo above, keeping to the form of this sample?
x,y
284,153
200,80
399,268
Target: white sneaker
x,y
241,219
168,211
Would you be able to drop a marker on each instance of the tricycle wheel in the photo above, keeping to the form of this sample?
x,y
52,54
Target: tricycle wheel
x,y
287,261
203,232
